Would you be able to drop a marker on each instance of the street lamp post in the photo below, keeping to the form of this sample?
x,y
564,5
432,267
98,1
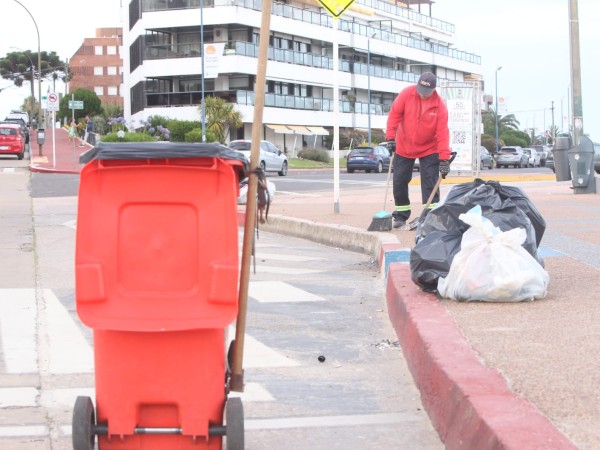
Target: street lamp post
x,y
499,67
202,76
369,88
39,61
369,85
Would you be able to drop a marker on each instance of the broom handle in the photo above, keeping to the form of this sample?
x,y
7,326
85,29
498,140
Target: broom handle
x,y
387,187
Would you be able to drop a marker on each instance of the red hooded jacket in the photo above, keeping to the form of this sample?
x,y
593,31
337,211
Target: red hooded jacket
x,y
419,126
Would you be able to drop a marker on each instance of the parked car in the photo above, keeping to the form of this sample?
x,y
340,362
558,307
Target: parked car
x,y
271,158
597,157
416,167
485,159
534,157
16,118
543,151
512,156
369,158
12,141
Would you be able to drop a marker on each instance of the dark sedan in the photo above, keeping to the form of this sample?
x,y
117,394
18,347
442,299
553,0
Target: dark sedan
x,y
368,158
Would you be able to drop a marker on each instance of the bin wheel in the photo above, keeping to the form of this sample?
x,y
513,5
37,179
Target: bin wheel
x,y
84,420
234,424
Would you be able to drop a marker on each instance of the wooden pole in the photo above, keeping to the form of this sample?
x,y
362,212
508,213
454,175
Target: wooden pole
x,y
237,375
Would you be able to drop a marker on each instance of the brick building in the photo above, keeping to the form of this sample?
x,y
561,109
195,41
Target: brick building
x,y
97,65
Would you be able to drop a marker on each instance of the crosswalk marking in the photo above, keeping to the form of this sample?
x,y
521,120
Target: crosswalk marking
x,y
17,330
279,292
286,270
284,257
68,350
61,398
18,397
253,392
258,355
22,431
9,170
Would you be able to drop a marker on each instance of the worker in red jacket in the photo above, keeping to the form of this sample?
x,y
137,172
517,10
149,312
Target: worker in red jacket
x,y
417,127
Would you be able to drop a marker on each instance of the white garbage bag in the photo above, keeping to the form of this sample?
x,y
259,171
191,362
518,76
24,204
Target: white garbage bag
x,y
492,265
242,198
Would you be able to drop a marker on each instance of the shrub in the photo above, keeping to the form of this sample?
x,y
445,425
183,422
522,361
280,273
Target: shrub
x,y
129,137
314,155
196,136
179,128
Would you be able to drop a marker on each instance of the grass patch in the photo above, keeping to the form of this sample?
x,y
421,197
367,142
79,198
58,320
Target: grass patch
x,y
297,163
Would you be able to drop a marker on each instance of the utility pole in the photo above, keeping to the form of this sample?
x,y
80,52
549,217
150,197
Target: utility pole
x,y
575,72
553,132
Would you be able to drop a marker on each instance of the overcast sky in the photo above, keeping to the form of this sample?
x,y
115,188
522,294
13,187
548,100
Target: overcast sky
x,y
528,38
62,24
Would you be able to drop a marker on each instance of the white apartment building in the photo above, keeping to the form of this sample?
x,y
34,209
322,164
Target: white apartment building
x,y
383,47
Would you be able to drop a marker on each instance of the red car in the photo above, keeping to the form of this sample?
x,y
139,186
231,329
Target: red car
x,y
12,141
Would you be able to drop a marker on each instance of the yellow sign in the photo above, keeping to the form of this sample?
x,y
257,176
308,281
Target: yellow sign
x,y
336,7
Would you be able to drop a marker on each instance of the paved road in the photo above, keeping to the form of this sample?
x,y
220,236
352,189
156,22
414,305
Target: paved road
x,y
306,300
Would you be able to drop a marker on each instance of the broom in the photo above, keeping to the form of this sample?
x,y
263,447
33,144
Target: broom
x,y
382,221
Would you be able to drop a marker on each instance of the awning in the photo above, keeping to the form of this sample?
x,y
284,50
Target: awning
x,y
282,129
300,130
319,130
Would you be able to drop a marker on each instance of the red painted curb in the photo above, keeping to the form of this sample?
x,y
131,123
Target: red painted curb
x,y
470,404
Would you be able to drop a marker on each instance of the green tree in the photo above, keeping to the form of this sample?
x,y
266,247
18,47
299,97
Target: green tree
x,y
22,65
91,104
220,117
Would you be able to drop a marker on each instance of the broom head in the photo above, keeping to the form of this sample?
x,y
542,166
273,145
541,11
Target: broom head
x,y
382,221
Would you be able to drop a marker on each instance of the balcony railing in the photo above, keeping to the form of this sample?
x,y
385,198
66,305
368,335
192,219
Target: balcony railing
x,y
325,20
194,98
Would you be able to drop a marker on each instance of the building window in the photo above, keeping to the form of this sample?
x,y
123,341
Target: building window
x,y
98,71
111,70
99,90
111,50
98,50
113,90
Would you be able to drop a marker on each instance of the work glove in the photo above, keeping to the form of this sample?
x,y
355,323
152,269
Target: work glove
x,y
444,168
391,146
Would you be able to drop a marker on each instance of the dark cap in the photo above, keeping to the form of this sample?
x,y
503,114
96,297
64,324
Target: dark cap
x,y
426,83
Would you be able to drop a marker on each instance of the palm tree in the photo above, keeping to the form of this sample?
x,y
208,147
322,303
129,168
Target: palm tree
x,y
505,123
221,117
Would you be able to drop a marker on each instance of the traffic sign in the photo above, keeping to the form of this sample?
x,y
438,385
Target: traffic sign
x,y
75,104
52,101
336,7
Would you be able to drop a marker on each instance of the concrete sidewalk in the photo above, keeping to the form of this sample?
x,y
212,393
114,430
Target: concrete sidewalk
x,y
492,375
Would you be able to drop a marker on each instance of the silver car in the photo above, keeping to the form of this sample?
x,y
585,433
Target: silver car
x,y
271,158
512,156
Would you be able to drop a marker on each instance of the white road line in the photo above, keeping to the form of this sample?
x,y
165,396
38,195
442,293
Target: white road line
x,y
18,397
279,292
17,328
9,170
68,350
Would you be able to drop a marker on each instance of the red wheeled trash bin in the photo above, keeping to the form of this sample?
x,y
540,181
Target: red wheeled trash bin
x,y
157,272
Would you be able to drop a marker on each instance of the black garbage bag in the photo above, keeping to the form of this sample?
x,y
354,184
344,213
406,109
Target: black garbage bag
x,y
430,259
439,235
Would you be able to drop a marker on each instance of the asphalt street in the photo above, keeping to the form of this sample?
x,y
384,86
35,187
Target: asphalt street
x,y
306,301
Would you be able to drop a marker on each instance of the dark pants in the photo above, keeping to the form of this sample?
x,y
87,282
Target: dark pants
x,y
403,172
